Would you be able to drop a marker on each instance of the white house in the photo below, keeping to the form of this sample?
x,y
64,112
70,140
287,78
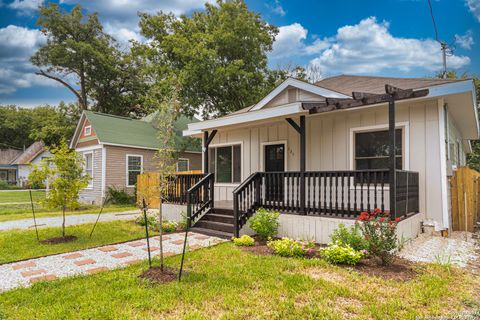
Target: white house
x,y
319,153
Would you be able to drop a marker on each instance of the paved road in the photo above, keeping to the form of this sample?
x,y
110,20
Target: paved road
x,y
70,220
90,261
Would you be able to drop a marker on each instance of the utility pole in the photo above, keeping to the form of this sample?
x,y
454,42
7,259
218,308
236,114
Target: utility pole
x,y
444,47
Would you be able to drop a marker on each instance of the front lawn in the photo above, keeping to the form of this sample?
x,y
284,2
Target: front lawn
x,y
22,244
226,282
15,205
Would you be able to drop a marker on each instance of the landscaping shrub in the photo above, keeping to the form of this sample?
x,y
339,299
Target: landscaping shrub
x,y
6,186
286,247
352,236
265,223
380,232
339,253
151,220
169,226
119,196
244,241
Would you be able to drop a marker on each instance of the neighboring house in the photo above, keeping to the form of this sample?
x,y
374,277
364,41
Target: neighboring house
x,y
117,149
319,152
15,165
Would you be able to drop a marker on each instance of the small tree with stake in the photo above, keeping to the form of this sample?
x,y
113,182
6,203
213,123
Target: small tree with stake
x,y
64,172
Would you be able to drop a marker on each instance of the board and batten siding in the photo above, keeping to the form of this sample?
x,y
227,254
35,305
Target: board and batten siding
x,y
329,145
93,195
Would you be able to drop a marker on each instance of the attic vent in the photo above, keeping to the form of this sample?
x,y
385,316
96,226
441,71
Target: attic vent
x,y
292,95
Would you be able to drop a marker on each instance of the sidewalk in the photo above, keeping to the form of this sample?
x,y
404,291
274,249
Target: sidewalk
x,y
91,261
71,220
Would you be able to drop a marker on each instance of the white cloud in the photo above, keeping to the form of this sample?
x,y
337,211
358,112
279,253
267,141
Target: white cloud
x,y
369,47
26,6
465,41
17,45
120,17
474,6
291,42
277,8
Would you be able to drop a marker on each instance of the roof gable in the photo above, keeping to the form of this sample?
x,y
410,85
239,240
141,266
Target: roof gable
x,y
123,131
302,85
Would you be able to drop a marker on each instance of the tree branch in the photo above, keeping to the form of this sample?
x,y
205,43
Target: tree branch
x,y
46,75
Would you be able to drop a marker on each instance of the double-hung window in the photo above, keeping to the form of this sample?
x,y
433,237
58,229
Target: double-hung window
x,y
225,161
182,165
89,167
134,168
372,150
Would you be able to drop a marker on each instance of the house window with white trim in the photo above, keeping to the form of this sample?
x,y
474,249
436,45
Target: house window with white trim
x,y
87,131
225,161
183,165
134,168
372,150
89,167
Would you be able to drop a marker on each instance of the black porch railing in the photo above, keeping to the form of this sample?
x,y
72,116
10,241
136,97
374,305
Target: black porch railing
x,y
200,199
179,185
327,193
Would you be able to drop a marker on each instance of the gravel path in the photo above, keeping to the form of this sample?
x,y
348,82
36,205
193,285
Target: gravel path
x,y
90,261
70,220
459,250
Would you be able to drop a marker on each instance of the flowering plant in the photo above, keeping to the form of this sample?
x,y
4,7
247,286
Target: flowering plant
x,y
286,247
339,253
380,233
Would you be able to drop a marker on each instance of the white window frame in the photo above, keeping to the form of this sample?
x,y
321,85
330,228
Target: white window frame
x,y
405,126
183,159
228,144
90,182
262,153
126,167
89,131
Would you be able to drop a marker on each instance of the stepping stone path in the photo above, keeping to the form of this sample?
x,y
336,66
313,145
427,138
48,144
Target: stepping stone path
x,y
95,260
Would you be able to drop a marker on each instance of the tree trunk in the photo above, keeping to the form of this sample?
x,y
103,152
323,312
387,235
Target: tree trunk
x,y
63,222
83,90
160,219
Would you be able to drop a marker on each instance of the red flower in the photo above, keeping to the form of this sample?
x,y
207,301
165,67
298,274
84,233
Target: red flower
x,y
378,210
397,219
382,219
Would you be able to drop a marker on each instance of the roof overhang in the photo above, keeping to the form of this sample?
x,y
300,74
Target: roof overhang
x,y
195,129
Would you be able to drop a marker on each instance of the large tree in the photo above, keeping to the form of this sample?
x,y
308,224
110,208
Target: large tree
x,y
88,62
217,56
20,127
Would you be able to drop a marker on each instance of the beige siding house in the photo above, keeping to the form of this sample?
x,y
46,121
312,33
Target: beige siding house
x,y
255,155
117,149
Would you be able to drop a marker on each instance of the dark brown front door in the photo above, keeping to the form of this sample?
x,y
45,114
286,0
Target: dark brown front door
x,y
274,162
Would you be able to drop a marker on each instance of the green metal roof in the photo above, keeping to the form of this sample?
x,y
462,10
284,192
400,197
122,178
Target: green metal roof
x,y
139,133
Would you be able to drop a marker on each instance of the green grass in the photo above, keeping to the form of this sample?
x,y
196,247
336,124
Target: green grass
x,y
15,205
20,196
228,283
22,244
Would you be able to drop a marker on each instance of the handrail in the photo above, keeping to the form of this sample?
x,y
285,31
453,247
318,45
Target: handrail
x,y
245,182
200,198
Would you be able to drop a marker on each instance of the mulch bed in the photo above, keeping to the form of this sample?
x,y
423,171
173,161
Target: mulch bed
x,y
59,240
155,274
400,269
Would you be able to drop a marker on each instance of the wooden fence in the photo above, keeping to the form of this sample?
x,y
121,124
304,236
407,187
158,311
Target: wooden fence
x,y
148,186
465,191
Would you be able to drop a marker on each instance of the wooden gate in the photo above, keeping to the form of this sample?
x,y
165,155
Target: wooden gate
x,y
464,191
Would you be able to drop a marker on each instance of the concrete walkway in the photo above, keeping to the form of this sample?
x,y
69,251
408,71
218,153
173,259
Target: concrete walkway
x,y
70,220
91,261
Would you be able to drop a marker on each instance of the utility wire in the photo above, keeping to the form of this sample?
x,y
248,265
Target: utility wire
x,y
433,20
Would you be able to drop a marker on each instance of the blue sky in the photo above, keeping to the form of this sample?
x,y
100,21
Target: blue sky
x,y
381,37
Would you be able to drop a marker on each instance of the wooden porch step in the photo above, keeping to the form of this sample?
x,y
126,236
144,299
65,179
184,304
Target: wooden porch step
x,y
218,218
215,225
210,232
222,211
